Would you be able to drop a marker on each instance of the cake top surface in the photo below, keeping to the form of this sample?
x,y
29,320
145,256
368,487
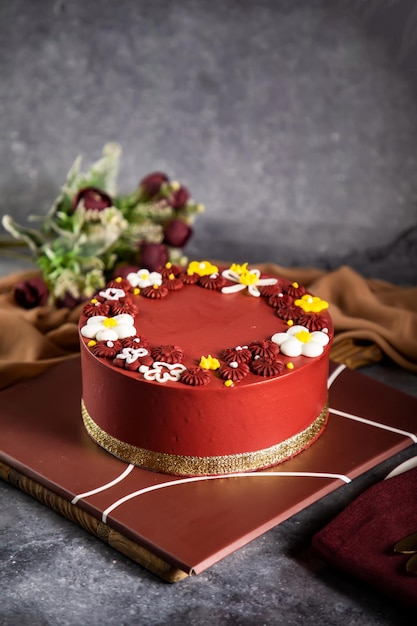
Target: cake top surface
x,y
203,324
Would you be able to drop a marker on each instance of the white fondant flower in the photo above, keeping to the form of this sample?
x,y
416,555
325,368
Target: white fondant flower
x,y
243,277
298,340
162,372
112,294
130,355
105,328
144,278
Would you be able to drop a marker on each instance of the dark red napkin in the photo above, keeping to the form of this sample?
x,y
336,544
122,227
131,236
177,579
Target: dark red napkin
x,y
360,540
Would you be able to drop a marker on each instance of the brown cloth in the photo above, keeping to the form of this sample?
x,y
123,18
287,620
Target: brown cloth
x,y
32,340
363,309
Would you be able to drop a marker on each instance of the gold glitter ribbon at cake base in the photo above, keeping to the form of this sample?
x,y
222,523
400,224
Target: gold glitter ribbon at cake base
x,y
209,465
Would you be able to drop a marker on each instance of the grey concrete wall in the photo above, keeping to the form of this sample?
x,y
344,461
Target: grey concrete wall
x,y
293,121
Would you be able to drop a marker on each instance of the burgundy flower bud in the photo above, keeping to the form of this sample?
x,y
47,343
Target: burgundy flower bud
x,y
123,270
93,199
152,183
31,293
69,302
178,199
152,255
177,233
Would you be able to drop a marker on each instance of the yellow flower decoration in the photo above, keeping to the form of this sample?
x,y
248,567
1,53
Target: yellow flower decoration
x,y
202,268
303,335
239,269
248,278
243,277
209,363
311,304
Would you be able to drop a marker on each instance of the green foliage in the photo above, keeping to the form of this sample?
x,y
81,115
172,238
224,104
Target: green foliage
x,y
77,247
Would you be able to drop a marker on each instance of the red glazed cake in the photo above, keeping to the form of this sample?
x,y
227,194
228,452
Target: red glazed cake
x,y
204,371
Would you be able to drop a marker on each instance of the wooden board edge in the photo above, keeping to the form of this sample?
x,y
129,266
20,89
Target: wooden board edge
x,y
94,526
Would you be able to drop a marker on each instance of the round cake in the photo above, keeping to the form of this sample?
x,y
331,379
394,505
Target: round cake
x,y
204,370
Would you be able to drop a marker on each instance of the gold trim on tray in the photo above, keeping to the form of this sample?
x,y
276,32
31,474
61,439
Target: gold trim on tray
x,y
199,466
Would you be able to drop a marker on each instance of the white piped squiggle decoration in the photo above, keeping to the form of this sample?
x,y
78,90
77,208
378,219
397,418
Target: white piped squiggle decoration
x,y
162,372
298,341
112,294
130,355
245,278
105,328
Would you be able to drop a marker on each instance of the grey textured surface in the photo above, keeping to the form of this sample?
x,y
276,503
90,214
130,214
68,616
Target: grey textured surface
x,y
293,122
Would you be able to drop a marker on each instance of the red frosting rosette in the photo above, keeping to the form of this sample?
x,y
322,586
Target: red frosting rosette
x,y
168,269
285,307
173,283
132,367
167,354
240,354
270,290
287,313
234,371
295,290
123,306
95,307
136,342
156,292
213,281
189,279
119,283
106,349
195,377
280,300
265,349
267,367
146,360
312,321
135,365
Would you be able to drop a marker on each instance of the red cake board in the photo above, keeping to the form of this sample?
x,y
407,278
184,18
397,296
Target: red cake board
x,y
178,526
